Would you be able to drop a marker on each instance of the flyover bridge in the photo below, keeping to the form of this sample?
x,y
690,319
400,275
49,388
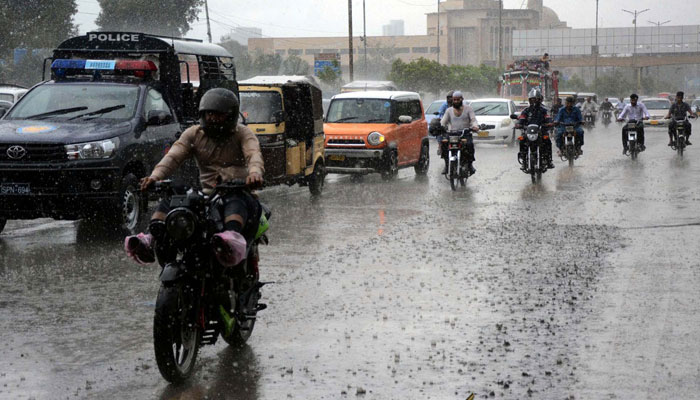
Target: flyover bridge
x,y
642,60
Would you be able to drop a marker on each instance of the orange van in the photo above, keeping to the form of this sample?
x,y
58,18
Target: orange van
x,y
376,131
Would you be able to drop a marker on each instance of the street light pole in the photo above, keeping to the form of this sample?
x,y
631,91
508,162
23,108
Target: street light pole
x,y
206,9
595,74
350,39
437,32
500,35
634,50
364,34
658,39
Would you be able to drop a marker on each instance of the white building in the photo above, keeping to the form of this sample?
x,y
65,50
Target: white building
x,y
394,28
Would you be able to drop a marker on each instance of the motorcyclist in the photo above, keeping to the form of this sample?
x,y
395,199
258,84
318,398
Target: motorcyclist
x,y
536,114
556,106
447,104
606,105
224,150
590,106
633,111
679,110
569,115
619,107
458,117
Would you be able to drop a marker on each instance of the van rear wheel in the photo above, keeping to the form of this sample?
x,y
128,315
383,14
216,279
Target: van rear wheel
x,y
317,178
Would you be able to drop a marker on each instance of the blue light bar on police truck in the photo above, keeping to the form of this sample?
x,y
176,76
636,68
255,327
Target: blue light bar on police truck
x,y
138,68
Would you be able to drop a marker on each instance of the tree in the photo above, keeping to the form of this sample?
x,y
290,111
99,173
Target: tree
x,y
241,58
294,65
574,84
424,76
267,64
165,17
34,24
330,77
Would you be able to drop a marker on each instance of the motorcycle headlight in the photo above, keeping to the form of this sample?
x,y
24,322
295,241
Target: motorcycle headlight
x,y
375,138
532,136
569,128
454,139
631,125
180,224
92,150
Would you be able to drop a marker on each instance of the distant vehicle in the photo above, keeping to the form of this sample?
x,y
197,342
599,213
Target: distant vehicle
x,y
11,93
433,110
496,112
523,75
376,131
582,96
658,108
4,106
695,106
363,86
564,95
614,101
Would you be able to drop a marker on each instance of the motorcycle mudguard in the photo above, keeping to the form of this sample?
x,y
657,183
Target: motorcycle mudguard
x,y
172,272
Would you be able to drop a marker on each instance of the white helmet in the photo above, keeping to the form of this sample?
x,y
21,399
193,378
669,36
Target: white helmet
x,y
534,94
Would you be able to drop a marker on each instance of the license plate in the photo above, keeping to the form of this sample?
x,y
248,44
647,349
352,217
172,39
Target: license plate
x,y
654,122
15,189
483,134
336,157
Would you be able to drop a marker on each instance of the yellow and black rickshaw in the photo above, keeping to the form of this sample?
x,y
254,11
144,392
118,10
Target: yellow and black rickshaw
x,y
286,114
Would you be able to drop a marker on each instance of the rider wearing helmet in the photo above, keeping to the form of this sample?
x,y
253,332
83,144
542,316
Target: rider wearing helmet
x,y
447,104
569,114
224,150
536,114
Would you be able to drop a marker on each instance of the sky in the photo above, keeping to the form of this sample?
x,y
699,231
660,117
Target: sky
x,y
299,18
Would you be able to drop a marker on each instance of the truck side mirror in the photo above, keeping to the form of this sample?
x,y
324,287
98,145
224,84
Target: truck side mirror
x,y
158,117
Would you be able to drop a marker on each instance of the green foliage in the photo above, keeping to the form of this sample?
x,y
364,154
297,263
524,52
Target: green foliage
x,y
424,76
267,64
27,72
574,84
328,76
34,24
294,65
165,17
241,58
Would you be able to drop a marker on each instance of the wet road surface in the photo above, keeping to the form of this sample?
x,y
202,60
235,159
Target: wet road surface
x,y
582,286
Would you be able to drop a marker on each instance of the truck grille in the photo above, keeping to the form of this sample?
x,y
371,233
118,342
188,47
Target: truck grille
x,y
346,142
34,152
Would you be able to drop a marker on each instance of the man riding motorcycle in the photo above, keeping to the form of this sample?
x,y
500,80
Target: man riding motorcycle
x,y
569,115
535,114
447,104
633,111
606,105
457,118
679,110
556,106
590,106
224,150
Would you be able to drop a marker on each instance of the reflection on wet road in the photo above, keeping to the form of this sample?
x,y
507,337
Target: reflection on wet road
x,y
581,286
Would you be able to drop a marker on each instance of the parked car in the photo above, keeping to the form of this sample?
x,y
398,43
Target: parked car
x,y
11,93
432,111
695,106
658,108
495,111
376,131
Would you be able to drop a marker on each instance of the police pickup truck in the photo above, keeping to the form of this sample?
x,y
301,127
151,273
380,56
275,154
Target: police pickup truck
x,y
76,145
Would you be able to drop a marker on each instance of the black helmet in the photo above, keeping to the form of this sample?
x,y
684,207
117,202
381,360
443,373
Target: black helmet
x,y
223,101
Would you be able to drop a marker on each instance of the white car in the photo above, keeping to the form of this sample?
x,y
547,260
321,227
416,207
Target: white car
x,y
495,111
11,93
658,108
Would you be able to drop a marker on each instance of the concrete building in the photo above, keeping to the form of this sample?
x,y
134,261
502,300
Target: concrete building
x,y
241,34
394,28
468,35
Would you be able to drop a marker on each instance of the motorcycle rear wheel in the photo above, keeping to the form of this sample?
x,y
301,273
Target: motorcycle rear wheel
x,y
176,338
241,330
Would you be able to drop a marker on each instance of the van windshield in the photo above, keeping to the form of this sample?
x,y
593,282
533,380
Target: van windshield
x,y
78,102
260,107
360,111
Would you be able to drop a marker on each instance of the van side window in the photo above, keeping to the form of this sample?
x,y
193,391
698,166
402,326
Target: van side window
x,y
155,101
403,107
416,111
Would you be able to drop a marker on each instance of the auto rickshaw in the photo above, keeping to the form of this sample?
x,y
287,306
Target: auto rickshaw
x,y
286,114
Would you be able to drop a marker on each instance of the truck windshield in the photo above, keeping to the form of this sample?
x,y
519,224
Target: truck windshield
x,y
360,111
515,89
260,107
78,102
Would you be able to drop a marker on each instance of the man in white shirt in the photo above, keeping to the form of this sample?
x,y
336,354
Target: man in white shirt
x,y
634,112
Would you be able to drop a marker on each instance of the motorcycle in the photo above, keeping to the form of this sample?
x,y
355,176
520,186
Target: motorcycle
x,y
607,117
534,162
633,145
570,148
679,136
199,299
588,120
457,162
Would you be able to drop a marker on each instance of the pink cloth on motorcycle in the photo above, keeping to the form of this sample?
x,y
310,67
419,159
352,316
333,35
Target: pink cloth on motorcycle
x,y
231,249
140,248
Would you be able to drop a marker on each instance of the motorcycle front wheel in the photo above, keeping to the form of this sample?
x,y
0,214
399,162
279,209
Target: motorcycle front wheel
x,y
176,337
633,150
680,145
533,167
454,174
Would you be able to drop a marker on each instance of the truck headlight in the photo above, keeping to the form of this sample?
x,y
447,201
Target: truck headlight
x,y
375,138
92,150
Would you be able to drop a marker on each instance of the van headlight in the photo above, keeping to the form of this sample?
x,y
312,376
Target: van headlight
x,y
375,138
92,150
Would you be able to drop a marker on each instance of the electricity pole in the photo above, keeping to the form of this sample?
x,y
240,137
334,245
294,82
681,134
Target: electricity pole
x,y
438,31
206,10
500,35
658,39
595,73
364,34
350,39
634,50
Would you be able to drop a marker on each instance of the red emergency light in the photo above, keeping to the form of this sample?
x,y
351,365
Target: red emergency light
x,y
140,67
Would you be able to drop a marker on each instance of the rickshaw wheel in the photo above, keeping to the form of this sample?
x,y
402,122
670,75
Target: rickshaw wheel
x,y
316,179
